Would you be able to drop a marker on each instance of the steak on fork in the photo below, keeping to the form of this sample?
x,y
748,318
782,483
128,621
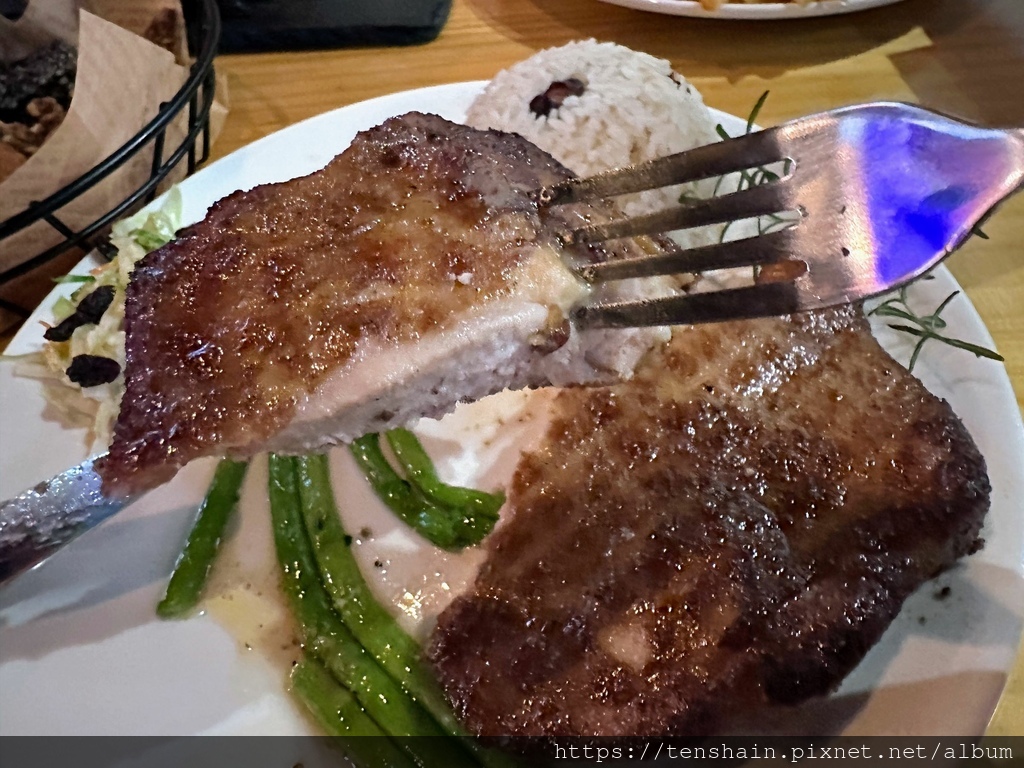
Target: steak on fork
x,y
411,273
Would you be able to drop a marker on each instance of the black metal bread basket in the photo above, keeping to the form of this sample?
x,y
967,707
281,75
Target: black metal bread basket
x,y
195,96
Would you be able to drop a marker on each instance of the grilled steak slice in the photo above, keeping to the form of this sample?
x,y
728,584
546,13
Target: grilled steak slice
x,y
411,273
735,526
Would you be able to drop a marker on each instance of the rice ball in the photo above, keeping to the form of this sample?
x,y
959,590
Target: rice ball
x,y
597,106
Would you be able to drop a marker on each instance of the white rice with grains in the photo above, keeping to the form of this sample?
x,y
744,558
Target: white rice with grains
x,y
633,107
597,106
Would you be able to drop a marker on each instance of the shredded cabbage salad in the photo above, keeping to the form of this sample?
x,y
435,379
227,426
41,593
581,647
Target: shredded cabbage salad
x,y
133,238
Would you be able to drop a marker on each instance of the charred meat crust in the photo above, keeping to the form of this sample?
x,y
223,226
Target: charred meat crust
x,y
232,324
736,526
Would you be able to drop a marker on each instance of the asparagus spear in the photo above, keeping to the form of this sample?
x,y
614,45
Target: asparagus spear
x,y
446,527
340,715
324,633
329,640
371,624
418,467
189,577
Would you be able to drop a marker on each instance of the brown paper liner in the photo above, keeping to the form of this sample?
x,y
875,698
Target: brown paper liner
x,y
121,81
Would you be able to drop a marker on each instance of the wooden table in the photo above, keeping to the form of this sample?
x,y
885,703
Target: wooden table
x,y
962,56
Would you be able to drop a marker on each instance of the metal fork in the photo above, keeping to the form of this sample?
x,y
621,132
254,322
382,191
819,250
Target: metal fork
x,y
879,194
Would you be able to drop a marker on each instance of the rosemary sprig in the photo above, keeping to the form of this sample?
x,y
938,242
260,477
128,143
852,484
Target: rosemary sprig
x,y
748,178
926,327
753,177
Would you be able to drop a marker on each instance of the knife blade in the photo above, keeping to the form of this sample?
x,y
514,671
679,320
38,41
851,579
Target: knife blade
x,y
35,524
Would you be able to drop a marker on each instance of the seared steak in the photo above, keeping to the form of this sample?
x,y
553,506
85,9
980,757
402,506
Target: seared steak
x,y
411,273
735,526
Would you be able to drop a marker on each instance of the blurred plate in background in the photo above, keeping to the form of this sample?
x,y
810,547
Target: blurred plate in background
x,y
741,10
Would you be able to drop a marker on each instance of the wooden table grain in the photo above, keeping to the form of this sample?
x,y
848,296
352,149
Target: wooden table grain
x,y
961,56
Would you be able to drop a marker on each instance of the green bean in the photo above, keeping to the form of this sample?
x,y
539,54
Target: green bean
x,y
443,526
336,710
419,469
189,577
371,624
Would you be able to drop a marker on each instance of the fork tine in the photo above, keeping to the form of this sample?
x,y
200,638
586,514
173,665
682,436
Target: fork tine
x,y
749,203
764,300
769,248
717,159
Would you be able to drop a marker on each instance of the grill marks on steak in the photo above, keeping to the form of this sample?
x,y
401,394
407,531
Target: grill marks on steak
x,y
237,328
735,526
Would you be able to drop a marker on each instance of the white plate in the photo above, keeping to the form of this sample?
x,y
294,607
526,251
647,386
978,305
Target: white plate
x,y
81,651
755,11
